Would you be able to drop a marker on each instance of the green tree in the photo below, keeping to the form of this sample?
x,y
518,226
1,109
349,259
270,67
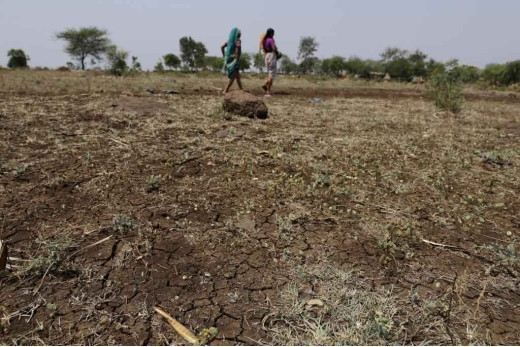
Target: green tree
x,y
287,66
510,73
469,74
396,63
159,67
85,42
333,66
172,61
215,64
245,61
418,64
309,65
492,73
358,66
434,67
192,52
17,59
259,62
308,46
116,59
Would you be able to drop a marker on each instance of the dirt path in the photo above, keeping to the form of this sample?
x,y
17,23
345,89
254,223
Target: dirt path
x,y
369,93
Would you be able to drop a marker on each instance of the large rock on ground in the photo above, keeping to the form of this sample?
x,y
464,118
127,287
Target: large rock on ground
x,y
244,104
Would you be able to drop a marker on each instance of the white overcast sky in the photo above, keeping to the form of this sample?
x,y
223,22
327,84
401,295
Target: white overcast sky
x,y
476,32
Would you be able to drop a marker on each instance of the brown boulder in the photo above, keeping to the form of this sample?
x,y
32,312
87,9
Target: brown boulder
x,y
244,104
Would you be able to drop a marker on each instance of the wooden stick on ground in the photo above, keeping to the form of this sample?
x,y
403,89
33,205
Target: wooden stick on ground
x,y
185,333
437,244
43,278
89,246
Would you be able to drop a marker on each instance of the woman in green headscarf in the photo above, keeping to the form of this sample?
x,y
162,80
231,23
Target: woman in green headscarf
x,y
231,51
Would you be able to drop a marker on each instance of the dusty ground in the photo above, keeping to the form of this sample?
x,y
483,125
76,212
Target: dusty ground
x,y
402,220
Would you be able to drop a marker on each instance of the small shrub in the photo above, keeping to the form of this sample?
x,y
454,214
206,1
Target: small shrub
x,y
159,67
117,60
53,253
123,223
153,183
446,88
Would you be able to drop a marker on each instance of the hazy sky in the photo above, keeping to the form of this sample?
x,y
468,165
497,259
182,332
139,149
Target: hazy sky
x,y
475,31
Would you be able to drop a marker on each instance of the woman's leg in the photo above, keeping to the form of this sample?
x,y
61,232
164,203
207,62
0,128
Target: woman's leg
x,y
231,80
267,84
238,80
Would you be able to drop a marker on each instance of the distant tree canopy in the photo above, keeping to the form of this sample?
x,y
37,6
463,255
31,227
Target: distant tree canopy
x,y
192,52
245,61
333,66
287,66
84,42
17,59
363,68
309,65
505,74
308,46
258,62
215,64
172,61
396,63
510,73
159,67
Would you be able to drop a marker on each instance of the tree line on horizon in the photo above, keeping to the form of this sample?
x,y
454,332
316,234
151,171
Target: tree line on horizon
x,y
93,43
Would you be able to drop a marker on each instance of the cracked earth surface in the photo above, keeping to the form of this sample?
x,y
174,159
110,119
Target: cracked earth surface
x,y
209,244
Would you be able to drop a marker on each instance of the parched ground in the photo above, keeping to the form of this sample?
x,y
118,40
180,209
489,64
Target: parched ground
x,y
401,220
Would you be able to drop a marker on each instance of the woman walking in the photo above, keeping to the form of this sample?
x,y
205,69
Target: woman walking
x,y
231,50
271,55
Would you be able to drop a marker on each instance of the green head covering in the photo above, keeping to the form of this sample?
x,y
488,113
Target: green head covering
x,y
232,42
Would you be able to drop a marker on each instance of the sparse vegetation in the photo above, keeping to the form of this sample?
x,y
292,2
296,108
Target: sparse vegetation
x,y
123,223
116,59
366,218
153,183
446,89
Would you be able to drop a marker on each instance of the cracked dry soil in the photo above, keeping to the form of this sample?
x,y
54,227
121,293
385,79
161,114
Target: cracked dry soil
x,y
238,206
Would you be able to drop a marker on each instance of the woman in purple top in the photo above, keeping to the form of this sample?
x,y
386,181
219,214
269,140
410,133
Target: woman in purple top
x,y
268,47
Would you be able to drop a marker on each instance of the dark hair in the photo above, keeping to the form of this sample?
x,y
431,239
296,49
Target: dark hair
x,y
269,33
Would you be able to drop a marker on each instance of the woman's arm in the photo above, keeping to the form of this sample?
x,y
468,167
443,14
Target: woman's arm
x,y
237,50
223,48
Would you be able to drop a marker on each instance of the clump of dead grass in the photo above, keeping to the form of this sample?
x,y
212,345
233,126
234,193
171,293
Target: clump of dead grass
x,y
51,253
352,313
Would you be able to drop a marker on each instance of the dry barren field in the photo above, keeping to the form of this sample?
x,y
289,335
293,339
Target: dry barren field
x,y
369,218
